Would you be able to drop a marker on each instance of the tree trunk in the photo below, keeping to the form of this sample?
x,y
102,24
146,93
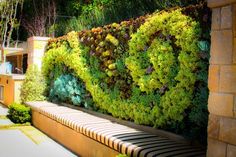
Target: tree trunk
x,y
12,21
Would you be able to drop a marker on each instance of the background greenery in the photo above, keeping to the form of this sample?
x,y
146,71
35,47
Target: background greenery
x,y
93,13
85,14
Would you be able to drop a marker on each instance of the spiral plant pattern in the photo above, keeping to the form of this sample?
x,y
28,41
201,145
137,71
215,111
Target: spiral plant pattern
x,y
143,70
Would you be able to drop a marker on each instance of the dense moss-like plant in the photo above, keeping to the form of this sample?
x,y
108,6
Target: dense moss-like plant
x,y
172,62
19,113
33,86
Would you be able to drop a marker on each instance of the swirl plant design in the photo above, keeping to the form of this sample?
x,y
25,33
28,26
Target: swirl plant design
x,y
157,61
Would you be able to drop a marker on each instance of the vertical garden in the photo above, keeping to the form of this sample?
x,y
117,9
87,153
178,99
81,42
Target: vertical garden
x,y
151,70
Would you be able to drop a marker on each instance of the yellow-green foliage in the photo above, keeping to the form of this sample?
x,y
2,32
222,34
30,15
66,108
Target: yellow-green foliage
x,y
173,68
19,113
122,155
33,86
149,80
112,39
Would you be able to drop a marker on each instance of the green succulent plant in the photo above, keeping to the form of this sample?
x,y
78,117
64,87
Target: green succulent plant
x,y
68,88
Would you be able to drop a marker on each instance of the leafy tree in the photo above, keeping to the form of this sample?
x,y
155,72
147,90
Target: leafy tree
x,y
8,20
44,16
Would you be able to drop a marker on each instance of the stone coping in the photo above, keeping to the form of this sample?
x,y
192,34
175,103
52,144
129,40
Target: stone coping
x,y
14,76
219,3
38,38
118,137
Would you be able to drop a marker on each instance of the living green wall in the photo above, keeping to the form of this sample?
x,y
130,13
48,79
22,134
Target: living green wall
x,y
151,70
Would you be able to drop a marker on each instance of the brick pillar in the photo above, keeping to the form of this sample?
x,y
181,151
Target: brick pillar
x,y
36,49
222,80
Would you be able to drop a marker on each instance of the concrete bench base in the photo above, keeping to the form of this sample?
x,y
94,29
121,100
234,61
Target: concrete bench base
x,y
76,142
91,136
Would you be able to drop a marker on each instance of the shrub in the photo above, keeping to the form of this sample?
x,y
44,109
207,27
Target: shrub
x,y
33,86
19,113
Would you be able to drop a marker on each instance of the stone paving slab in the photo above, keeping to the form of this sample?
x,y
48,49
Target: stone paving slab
x,y
5,122
16,144
26,141
3,110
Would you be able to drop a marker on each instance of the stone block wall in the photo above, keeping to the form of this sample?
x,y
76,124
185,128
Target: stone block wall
x,y
222,80
36,49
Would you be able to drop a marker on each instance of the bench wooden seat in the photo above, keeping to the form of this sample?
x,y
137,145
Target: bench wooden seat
x,y
120,138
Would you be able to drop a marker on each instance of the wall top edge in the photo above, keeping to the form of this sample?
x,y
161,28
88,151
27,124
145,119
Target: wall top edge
x,y
219,3
38,38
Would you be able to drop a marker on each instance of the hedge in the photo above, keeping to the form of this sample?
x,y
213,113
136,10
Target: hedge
x,y
19,113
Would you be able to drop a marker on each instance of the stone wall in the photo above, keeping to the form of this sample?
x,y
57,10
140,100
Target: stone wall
x,y
222,80
36,49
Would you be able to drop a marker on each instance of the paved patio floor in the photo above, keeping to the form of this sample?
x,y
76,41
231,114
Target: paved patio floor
x,y
26,141
3,110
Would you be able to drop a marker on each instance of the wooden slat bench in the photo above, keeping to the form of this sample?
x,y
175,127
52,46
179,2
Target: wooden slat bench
x,y
88,135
